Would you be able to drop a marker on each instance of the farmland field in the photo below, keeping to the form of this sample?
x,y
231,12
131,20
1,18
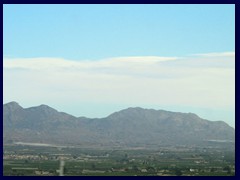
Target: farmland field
x,y
166,161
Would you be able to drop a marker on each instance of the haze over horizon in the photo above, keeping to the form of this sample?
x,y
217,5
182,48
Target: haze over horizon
x,y
15,104
92,60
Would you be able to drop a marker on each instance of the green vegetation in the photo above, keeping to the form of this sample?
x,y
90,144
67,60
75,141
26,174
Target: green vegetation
x,y
166,161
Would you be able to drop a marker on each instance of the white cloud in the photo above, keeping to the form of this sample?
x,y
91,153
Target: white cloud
x,y
218,54
139,80
58,63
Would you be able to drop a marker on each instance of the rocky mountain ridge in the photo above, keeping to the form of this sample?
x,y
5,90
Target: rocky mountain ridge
x,y
128,127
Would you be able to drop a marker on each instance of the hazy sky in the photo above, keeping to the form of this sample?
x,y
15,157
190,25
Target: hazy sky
x,y
91,60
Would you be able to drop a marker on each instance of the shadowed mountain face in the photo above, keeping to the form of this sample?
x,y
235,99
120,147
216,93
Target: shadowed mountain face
x,y
129,127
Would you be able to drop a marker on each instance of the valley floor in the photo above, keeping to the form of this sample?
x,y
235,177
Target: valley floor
x,y
166,161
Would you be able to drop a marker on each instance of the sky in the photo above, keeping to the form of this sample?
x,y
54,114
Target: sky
x,y
92,60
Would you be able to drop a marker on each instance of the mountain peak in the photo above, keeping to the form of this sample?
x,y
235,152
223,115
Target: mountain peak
x,y
133,109
43,108
13,105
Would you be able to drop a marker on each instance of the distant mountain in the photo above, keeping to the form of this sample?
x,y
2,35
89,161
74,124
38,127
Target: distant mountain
x,y
127,128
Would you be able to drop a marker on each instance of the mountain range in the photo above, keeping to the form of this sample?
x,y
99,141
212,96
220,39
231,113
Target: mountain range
x,y
131,127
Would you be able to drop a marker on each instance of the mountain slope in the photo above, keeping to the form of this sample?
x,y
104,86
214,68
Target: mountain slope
x,y
128,127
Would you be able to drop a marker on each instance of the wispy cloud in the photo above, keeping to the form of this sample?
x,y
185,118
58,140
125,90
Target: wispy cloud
x,y
217,54
53,63
149,80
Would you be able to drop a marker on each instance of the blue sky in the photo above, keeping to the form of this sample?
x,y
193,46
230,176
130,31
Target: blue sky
x,y
92,60
101,31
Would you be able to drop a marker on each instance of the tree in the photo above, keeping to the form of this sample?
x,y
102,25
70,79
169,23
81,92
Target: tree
x,y
65,170
135,168
178,172
93,166
212,170
150,169
228,169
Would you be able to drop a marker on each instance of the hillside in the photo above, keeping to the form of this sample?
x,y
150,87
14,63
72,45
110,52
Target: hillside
x,y
127,128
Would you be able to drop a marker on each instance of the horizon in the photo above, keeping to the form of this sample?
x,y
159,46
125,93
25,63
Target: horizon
x,y
35,106
91,60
